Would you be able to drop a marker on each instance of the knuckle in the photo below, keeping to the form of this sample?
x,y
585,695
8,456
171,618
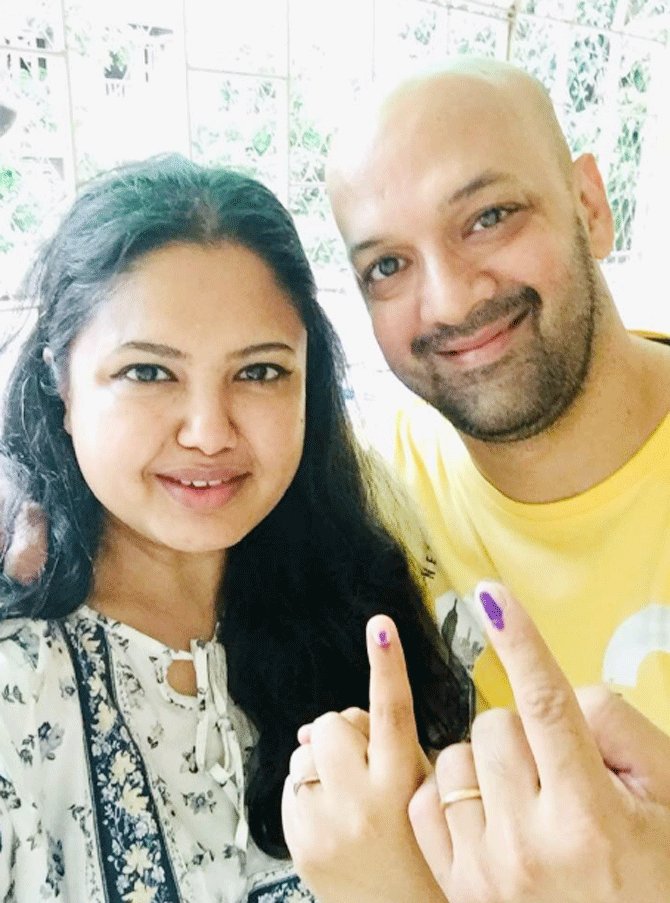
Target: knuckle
x,y
597,701
422,802
324,724
301,760
493,722
353,712
452,759
546,703
496,741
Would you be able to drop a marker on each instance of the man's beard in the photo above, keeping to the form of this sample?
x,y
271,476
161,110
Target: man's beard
x,y
527,390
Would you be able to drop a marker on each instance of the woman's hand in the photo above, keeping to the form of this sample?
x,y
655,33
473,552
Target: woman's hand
x,y
570,809
351,779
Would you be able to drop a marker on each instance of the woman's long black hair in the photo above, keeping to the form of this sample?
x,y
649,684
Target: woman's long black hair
x,y
298,590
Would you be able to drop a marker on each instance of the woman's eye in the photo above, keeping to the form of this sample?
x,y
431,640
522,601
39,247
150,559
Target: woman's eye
x,y
147,373
384,268
492,217
262,373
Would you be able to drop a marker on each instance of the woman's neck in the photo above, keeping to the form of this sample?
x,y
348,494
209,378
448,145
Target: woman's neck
x,y
168,595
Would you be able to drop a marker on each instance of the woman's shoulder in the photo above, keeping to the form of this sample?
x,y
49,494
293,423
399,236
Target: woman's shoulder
x,y
28,647
37,687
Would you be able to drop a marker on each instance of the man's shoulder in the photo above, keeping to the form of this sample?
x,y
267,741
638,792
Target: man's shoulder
x,y
659,337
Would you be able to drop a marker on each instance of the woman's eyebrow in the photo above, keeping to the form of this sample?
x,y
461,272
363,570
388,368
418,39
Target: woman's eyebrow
x,y
154,348
263,346
176,354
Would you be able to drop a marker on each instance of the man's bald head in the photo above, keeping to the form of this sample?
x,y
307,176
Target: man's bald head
x,y
466,87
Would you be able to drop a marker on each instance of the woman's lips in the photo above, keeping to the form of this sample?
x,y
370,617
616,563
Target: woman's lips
x,y
202,493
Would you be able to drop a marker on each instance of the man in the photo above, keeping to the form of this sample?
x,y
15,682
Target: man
x,y
475,239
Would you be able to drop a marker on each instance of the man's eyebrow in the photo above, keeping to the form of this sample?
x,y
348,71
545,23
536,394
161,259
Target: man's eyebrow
x,y
483,180
363,246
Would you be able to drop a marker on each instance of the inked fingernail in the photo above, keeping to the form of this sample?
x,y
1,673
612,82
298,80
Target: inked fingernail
x,y
383,639
492,609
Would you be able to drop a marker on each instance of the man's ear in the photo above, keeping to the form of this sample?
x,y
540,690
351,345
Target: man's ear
x,y
593,205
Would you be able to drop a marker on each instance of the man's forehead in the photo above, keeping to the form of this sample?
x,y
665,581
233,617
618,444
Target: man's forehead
x,y
440,158
501,113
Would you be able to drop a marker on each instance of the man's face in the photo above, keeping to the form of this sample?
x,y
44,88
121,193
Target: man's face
x,y
475,264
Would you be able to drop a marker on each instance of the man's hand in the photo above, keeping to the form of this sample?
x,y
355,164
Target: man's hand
x,y
27,552
555,822
351,779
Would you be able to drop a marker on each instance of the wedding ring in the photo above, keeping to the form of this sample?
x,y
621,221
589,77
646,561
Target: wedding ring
x,y
456,796
302,781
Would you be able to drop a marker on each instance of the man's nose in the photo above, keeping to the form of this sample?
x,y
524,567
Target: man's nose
x,y
207,424
451,287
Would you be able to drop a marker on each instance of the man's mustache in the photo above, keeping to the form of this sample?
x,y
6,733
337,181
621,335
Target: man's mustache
x,y
487,312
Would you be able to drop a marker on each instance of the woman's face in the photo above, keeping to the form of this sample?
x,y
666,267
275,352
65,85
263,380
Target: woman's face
x,y
185,397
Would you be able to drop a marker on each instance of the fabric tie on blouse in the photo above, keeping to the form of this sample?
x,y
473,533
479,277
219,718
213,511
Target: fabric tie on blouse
x,y
211,673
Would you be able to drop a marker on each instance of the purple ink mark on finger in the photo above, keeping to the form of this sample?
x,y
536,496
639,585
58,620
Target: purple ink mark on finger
x,y
383,639
492,609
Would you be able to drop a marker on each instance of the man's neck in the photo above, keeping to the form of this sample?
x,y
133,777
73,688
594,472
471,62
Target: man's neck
x,y
625,397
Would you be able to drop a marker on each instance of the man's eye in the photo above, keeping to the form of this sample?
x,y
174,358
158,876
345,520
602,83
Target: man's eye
x,y
492,217
146,373
384,268
262,373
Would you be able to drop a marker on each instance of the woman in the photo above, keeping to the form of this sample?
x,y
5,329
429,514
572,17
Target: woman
x,y
213,552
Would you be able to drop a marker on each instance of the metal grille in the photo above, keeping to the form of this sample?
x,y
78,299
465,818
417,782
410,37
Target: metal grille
x,y
258,85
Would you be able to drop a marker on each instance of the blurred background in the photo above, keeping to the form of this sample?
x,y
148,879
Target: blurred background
x,y
260,84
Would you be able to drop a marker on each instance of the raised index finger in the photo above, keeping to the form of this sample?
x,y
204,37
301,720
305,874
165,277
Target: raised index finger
x,y
557,733
394,743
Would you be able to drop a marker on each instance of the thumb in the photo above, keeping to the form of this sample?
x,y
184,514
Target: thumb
x,y
394,743
631,746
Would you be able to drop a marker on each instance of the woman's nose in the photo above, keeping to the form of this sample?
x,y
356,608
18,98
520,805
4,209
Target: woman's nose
x,y
207,425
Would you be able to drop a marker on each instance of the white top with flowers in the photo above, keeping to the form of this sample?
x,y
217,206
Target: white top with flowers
x,y
114,788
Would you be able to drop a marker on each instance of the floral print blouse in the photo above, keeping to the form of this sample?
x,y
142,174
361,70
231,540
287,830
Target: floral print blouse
x,y
114,788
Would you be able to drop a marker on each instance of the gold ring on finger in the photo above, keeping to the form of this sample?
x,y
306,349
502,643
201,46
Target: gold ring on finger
x,y
457,796
301,782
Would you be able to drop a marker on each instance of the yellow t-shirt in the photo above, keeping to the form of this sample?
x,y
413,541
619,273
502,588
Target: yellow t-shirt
x,y
593,571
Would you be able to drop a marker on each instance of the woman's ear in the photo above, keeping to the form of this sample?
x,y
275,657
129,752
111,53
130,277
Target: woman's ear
x,y
50,363
593,205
